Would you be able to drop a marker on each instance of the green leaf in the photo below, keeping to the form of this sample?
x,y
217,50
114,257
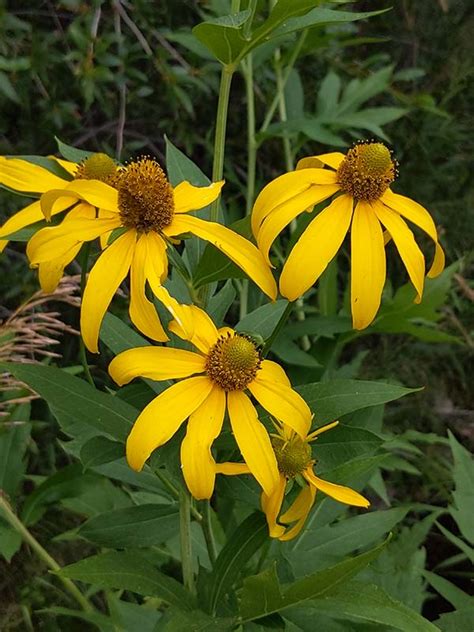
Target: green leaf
x,y
323,545
194,621
463,495
7,89
449,591
14,439
263,320
465,548
101,621
288,351
368,602
262,594
331,400
342,444
141,526
129,571
179,167
99,450
459,621
74,403
118,336
240,547
73,154
224,36
10,540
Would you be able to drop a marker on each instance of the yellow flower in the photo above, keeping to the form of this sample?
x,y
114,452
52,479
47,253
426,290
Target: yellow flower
x,y
366,204
293,455
229,364
150,211
32,179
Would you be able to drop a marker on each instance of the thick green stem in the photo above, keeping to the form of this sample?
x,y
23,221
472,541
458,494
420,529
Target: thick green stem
x,y
206,525
279,326
176,493
7,513
185,539
82,348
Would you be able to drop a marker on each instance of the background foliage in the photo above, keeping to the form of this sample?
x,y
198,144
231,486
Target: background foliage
x,y
117,77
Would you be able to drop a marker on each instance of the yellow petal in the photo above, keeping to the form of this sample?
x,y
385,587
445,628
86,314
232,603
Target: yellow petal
x,y
26,177
107,274
282,402
204,425
28,215
271,506
195,326
316,247
67,165
283,214
272,372
142,311
407,247
239,250
190,198
338,492
322,429
253,441
367,265
414,212
51,243
159,421
157,262
97,193
51,272
232,469
285,187
333,159
155,363
298,512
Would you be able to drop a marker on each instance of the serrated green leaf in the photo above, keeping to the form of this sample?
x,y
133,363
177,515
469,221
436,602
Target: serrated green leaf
x,y
262,594
141,526
240,547
73,154
99,450
74,403
129,571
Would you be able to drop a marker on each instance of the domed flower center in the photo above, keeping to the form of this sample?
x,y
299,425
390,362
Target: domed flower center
x,y
293,456
367,171
233,362
145,197
97,167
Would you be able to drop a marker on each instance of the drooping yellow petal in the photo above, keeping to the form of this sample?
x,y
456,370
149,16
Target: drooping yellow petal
x,y
142,311
283,214
187,197
367,265
97,193
204,425
239,250
271,506
67,165
316,248
232,469
155,363
196,326
338,492
27,177
407,247
53,242
414,212
159,421
157,262
28,215
107,274
282,402
333,159
298,512
51,272
253,441
285,187
272,372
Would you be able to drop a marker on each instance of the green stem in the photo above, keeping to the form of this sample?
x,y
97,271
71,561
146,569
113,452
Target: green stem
x,y
82,348
206,525
176,493
16,523
283,318
185,539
